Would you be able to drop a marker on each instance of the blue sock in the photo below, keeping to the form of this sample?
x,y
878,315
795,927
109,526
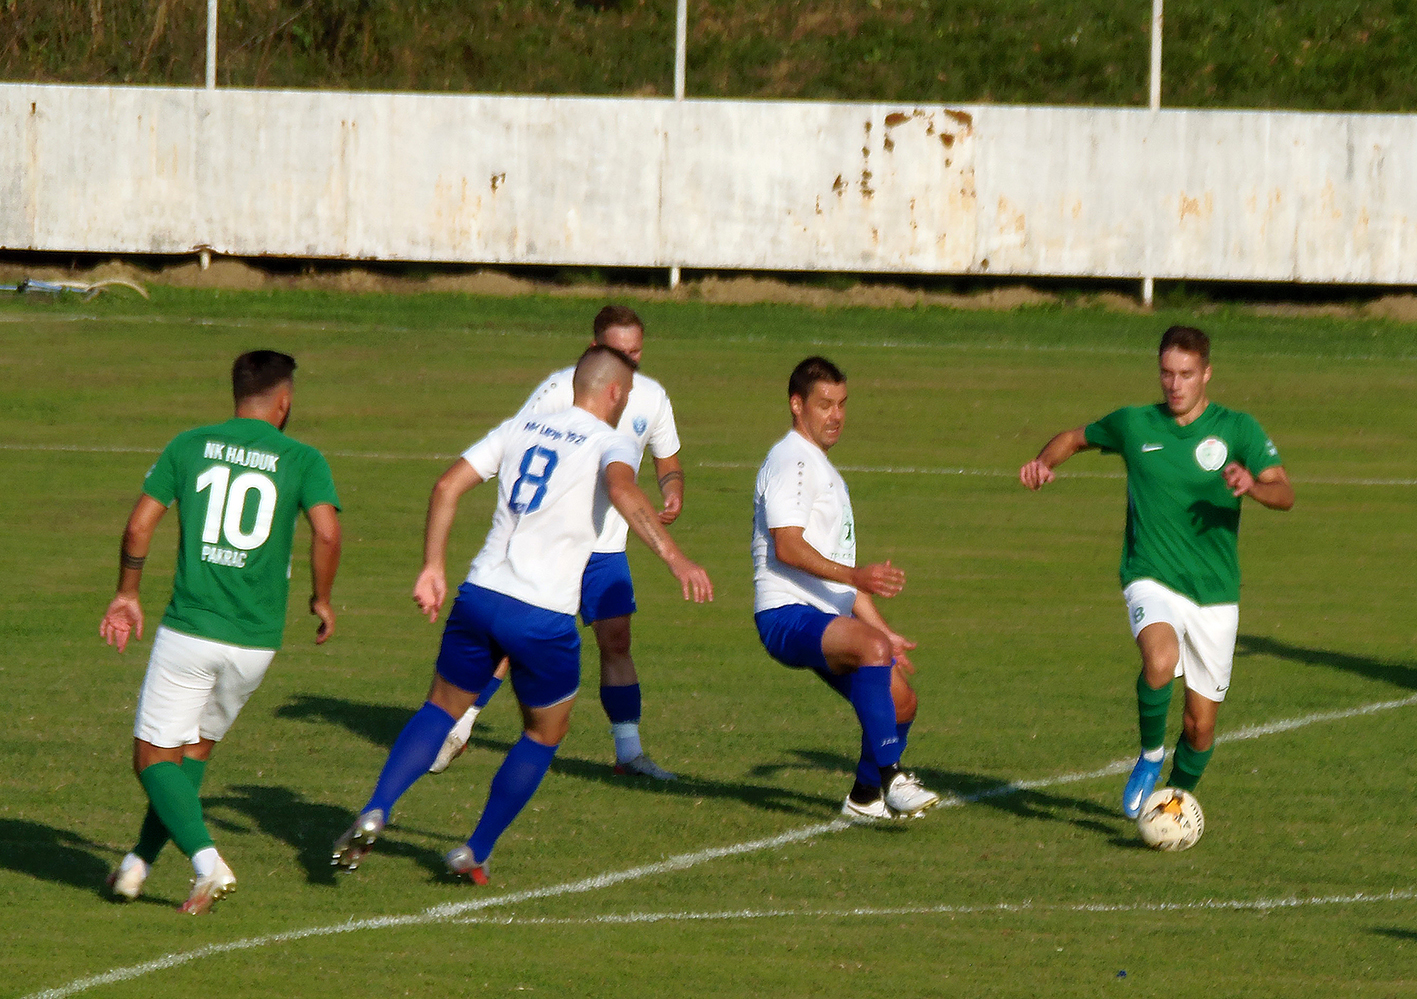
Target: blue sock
x,y
414,752
902,732
487,692
871,697
515,782
868,772
621,704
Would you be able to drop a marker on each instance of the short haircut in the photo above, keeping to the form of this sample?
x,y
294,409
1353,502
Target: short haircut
x,y
258,371
598,365
811,371
1186,338
615,315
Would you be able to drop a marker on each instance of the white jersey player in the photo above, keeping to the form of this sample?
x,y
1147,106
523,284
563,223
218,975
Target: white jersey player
x,y
607,592
521,594
813,606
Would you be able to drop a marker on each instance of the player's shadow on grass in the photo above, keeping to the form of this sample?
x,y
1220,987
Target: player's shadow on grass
x,y
381,724
51,854
308,827
1398,674
377,723
1395,932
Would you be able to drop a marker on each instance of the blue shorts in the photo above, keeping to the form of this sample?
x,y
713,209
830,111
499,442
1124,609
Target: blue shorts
x,y
606,588
484,626
792,634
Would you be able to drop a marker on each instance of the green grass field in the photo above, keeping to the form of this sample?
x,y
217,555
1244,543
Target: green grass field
x,y
734,881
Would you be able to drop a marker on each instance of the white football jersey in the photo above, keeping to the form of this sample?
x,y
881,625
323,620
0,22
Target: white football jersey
x,y
648,421
549,477
799,487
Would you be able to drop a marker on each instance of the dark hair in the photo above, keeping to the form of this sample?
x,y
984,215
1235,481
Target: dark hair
x,y
615,315
258,371
1186,338
811,371
597,349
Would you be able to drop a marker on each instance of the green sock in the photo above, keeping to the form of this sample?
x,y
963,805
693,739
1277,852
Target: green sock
x,y
175,801
1152,706
154,835
1187,765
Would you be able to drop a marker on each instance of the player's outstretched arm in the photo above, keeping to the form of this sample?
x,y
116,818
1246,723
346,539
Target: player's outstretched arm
x,y
640,514
792,548
670,475
431,587
124,617
1270,488
325,542
1039,472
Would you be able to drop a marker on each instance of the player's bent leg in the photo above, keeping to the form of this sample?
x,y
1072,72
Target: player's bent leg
x,y
515,782
850,645
172,795
456,740
1197,742
1160,654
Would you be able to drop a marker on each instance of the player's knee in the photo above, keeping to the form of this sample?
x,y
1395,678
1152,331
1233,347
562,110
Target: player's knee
x,y
613,636
1198,732
875,650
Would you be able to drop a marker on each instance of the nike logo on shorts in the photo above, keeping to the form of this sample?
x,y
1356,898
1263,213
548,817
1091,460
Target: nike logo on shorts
x,y
1152,447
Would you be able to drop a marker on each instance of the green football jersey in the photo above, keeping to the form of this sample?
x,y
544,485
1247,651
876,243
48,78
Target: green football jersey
x,y
239,486
1183,524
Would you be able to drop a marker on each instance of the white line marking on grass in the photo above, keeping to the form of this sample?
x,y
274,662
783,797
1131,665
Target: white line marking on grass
x,y
993,473
731,915
454,911
1007,473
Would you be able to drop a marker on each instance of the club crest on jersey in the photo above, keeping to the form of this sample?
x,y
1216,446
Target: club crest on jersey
x,y
640,425
1211,454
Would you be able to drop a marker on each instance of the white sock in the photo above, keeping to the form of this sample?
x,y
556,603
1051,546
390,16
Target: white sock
x,y
627,741
1154,755
204,861
131,860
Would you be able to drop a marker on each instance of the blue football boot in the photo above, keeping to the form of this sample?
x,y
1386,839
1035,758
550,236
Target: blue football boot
x,y
1140,785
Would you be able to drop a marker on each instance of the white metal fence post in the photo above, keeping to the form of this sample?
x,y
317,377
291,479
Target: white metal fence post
x,y
1148,283
204,259
681,66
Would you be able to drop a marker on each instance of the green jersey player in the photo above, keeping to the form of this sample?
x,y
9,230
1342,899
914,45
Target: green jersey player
x,y
1190,462
238,487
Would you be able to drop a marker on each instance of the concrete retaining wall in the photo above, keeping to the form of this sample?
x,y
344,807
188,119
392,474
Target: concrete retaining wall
x,y
725,184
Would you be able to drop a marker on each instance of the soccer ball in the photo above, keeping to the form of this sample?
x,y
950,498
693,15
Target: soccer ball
x,y
1171,819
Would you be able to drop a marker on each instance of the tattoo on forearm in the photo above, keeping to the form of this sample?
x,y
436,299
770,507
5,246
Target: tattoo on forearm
x,y
130,561
668,477
650,532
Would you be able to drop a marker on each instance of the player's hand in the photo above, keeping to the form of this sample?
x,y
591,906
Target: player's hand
x,y
880,579
673,506
123,619
900,645
693,580
429,591
1238,478
1035,475
326,614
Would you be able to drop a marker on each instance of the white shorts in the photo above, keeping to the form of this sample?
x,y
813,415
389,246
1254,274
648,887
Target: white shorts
x,y
195,688
1206,634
